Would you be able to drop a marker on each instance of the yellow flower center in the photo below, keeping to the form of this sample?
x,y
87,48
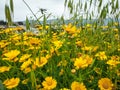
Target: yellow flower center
x,y
49,83
78,88
105,85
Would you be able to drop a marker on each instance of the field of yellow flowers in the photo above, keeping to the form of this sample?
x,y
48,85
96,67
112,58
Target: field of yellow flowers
x,y
68,58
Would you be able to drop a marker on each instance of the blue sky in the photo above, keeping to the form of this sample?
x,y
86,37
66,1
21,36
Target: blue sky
x,y
56,7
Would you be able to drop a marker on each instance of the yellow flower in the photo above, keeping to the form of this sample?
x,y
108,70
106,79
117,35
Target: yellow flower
x,y
61,72
116,23
25,81
57,43
73,71
95,48
12,54
18,28
83,61
62,34
113,62
3,44
105,84
79,43
39,27
118,49
70,29
77,86
11,83
104,27
25,64
4,68
41,62
27,34
34,41
116,30
88,25
115,57
16,37
38,87
27,70
7,30
49,83
101,55
48,56
86,48
24,57
80,63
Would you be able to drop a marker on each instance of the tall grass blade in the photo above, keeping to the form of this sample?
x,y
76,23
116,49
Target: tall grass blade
x,y
27,24
11,6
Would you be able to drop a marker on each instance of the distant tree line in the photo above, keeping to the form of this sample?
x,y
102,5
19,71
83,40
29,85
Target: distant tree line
x,y
5,23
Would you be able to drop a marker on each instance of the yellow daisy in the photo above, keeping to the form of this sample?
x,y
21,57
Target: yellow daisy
x,y
4,68
40,62
12,54
77,86
11,83
105,84
49,83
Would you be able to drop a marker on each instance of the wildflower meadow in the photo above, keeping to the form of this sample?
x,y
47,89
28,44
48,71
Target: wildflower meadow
x,y
60,56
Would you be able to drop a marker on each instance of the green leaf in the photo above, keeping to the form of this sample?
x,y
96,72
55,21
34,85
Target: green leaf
x,y
62,19
90,2
100,3
85,7
44,22
27,24
11,6
8,15
65,3
103,13
117,4
70,6
6,12
107,10
1,85
33,79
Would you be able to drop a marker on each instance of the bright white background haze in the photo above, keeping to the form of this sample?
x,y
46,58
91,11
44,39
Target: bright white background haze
x,y
56,7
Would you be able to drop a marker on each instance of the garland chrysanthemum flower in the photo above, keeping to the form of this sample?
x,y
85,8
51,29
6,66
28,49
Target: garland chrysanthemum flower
x,y
101,55
3,43
25,64
4,68
80,63
11,83
105,84
70,29
77,86
24,57
40,62
34,41
49,83
83,61
113,62
11,55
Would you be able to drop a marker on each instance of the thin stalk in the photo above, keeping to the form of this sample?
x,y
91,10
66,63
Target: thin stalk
x,y
32,12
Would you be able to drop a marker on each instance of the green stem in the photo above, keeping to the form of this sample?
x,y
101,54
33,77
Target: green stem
x,y
32,11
